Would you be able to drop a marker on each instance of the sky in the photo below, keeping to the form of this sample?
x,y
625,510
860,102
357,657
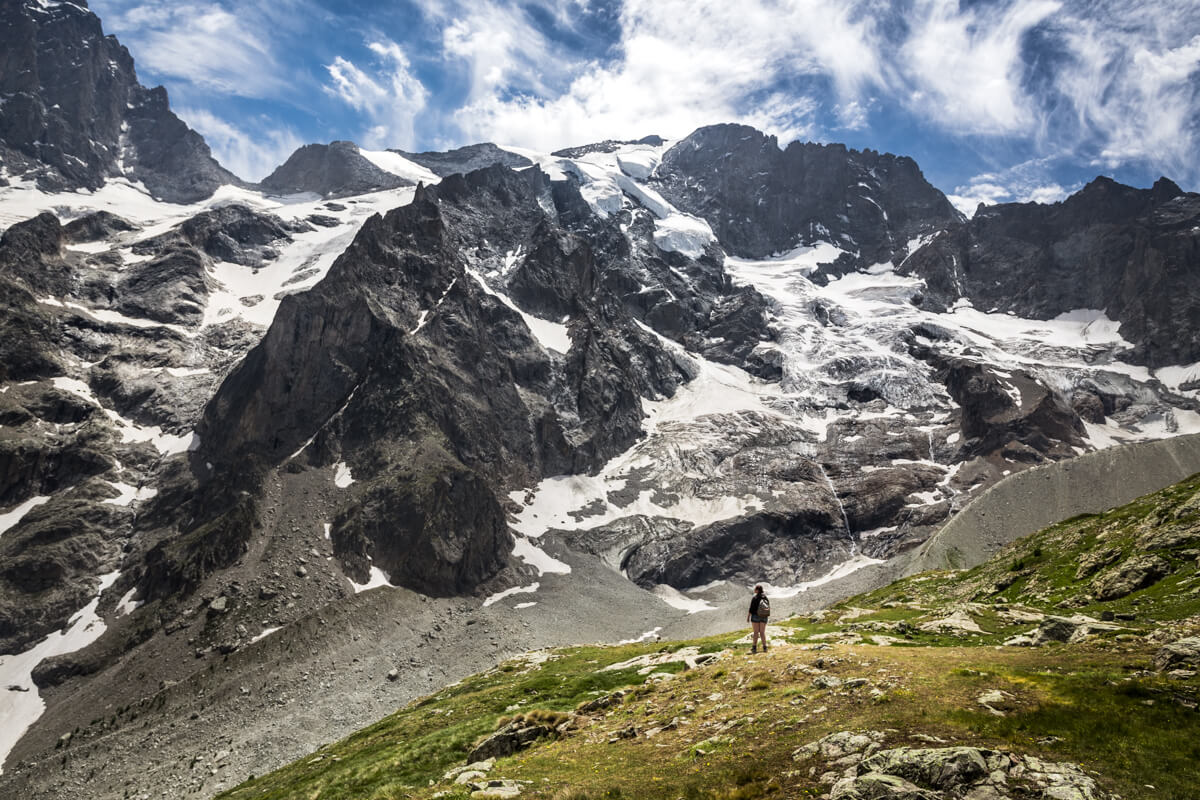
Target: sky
x,y
997,100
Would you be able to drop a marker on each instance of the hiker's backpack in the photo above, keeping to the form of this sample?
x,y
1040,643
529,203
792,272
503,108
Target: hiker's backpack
x,y
764,607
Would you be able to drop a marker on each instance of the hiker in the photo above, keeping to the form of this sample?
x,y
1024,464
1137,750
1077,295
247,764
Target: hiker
x,y
760,609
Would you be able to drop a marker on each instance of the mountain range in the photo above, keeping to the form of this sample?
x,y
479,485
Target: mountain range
x,y
274,454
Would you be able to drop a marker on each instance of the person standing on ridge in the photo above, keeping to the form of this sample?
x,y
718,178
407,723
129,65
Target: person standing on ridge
x,y
760,609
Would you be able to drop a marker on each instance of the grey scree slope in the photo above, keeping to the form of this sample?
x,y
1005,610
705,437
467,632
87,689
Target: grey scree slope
x,y
1022,504
1036,498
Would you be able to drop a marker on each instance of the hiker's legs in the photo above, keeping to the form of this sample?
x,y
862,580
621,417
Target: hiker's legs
x,y
760,633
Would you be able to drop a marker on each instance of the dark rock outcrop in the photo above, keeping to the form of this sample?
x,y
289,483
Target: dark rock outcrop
x,y
515,736
801,545
31,267
761,200
336,169
97,226
1129,252
435,527
1129,576
75,114
606,146
1033,424
234,233
466,159
1182,653
48,566
170,288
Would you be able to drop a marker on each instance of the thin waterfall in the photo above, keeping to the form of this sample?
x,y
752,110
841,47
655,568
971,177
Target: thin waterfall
x,y
832,491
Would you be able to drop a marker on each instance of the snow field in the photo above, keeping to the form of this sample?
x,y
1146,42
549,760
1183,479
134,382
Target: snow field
x,y
21,708
11,517
377,579
551,335
397,164
498,596
167,444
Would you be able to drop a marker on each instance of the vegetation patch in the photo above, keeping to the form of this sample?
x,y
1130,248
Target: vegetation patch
x,y
1017,655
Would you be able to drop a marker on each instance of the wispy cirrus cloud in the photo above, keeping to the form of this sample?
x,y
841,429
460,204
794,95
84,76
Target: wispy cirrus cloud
x,y
251,151
1022,183
683,64
962,66
1108,83
225,48
1131,85
1091,84
386,95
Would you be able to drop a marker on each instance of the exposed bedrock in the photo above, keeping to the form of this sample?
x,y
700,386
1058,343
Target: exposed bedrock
x,y
789,547
1130,252
336,169
466,159
760,199
75,114
404,365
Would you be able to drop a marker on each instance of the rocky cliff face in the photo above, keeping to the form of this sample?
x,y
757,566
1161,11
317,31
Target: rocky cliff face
x,y
75,114
745,187
407,366
1130,252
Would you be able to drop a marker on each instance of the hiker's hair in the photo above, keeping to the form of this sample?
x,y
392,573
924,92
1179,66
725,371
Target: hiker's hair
x,y
758,589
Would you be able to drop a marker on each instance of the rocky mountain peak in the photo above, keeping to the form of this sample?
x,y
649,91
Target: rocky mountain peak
x,y
75,114
761,200
337,169
1129,252
1165,189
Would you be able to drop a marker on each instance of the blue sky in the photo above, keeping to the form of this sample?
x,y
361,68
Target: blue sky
x,y
996,99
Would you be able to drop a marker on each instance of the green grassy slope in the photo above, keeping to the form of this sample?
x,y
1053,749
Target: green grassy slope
x,y
910,661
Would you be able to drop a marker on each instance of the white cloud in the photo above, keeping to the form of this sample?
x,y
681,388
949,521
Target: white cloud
x,y
249,155
206,44
682,64
389,98
1023,183
1131,83
964,64
1111,82
502,49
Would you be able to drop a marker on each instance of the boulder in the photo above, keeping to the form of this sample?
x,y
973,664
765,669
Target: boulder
x,y
477,768
938,767
996,701
958,623
1129,576
1178,654
516,735
841,744
877,786
1056,629
826,682
495,789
